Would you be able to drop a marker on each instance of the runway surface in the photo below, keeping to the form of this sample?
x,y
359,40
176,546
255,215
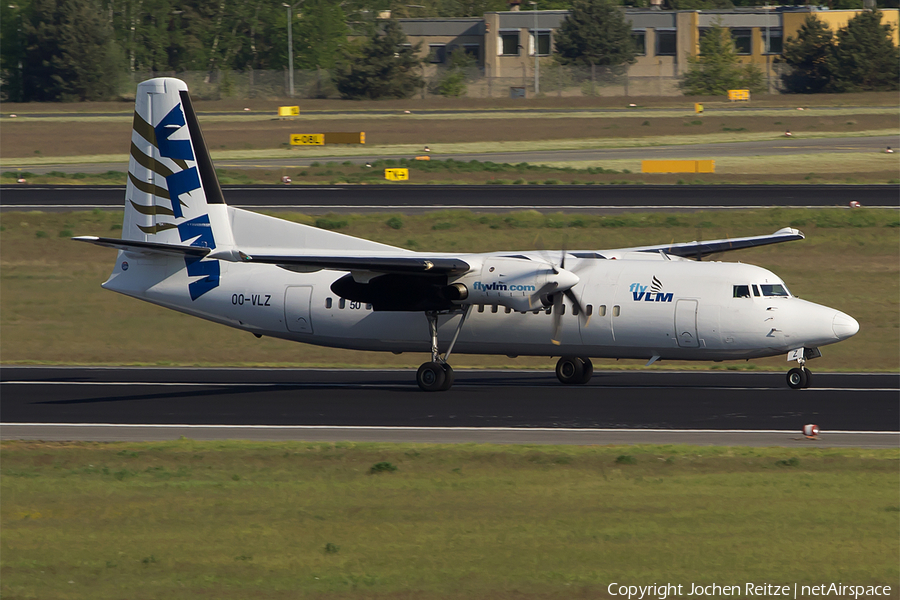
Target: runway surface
x,y
774,147
730,408
419,198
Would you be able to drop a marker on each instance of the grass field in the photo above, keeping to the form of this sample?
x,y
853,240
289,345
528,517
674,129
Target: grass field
x,y
53,311
28,140
288,520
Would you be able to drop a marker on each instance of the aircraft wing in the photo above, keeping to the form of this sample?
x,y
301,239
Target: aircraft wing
x,y
701,249
396,263
375,263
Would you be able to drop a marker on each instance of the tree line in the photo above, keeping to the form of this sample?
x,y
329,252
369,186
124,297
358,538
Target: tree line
x,y
66,50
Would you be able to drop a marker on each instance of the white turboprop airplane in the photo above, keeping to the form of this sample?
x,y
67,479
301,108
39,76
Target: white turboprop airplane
x,y
183,248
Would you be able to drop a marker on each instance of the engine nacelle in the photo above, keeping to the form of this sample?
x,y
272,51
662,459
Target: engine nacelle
x,y
517,283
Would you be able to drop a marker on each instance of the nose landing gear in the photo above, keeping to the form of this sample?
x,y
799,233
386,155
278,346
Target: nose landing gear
x,y
800,377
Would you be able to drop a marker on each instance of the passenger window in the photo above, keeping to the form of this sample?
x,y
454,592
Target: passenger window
x,y
562,309
575,309
342,304
755,290
494,308
508,310
589,310
481,308
368,307
741,291
616,310
602,310
773,289
327,302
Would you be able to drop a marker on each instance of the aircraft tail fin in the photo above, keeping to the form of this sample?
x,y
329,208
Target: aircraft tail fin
x,y
173,195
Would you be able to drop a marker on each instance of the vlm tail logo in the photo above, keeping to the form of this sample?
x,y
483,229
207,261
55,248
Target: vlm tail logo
x,y
639,292
185,182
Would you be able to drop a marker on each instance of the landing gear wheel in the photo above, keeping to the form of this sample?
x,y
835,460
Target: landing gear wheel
x,y
808,377
798,378
588,371
572,370
449,376
431,377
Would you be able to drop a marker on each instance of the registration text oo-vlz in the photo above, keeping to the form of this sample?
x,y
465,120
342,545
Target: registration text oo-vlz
x,y
183,248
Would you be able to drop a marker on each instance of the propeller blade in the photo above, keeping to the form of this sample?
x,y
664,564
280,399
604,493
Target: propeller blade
x,y
546,289
557,318
574,300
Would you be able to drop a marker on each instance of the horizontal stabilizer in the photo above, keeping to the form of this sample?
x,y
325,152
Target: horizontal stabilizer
x,y
145,247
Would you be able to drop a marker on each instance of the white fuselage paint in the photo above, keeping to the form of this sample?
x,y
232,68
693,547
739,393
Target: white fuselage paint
x,y
640,308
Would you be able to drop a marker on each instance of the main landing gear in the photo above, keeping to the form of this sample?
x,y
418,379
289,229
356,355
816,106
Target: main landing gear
x,y
437,375
574,370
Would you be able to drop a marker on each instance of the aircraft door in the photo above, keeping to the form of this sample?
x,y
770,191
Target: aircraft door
x,y
296,308
686,324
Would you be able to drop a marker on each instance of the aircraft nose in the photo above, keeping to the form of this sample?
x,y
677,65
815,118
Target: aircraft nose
x,y
844,326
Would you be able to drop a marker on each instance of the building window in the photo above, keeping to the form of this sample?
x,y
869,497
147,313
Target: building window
x,y
543,43
639,39
742,40
437,53
509,43
472,50
666,42
776,39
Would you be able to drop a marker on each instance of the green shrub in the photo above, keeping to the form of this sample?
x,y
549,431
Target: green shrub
x,y
326,223
382,467
395,223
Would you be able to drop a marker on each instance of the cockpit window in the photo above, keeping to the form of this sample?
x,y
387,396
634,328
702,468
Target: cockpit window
x,y
755,290
773,289
741,291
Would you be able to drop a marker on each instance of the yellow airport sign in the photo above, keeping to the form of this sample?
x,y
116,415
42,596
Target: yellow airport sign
x,y
678,166
307,139
735,95
698,108
288,111
396,174
345,137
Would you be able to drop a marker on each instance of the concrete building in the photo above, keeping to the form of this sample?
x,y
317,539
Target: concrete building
x,y
504,43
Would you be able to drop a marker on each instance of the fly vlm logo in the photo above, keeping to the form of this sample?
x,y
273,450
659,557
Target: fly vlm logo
x,y
639,292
